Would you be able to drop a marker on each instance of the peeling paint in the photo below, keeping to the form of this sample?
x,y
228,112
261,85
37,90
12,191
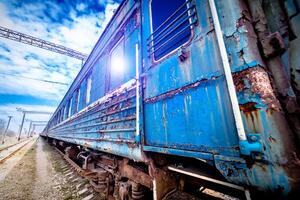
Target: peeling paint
x,y
256,80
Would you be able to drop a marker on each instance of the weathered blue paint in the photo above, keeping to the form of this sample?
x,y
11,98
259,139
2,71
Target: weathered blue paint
x,y
185,108
174,116
118,148
108,125
108,121
247,148
193,154
266,177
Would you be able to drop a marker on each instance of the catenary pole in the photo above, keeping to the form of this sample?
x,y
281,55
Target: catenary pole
x,y
6,129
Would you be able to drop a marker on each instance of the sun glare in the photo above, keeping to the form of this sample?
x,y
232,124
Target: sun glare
x,y
117,65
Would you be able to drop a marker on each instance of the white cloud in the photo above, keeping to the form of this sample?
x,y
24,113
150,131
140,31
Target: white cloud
x,y
81,35
80,6
84,29
77,32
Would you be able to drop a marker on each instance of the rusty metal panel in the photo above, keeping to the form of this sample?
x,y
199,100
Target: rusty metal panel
x,y
187,106
192,118
108,121
187,110
108,124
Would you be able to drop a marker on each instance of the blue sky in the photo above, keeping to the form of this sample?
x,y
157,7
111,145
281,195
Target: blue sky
x,y
74,24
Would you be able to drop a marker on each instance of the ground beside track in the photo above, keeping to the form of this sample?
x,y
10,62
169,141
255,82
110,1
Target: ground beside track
x,y
38,172
9,160
37,176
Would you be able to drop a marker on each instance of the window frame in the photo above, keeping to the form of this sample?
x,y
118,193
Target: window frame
x,y
77,100
154,61
88,89
121,39
61,118
69,108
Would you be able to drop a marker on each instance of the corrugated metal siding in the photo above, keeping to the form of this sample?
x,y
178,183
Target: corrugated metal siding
x,y
187,103
110,119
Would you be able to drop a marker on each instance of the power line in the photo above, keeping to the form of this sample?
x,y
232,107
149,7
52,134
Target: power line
x,y
36,79
43,44
24,112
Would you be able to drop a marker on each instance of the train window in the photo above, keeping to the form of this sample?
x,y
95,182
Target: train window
x,y
73,107
65,112
78,100
61,114
88,89
171,26
54,120
58,117
70,107
117,65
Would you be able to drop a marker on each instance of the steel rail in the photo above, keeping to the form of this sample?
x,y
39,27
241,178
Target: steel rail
x,y
6,147
14,152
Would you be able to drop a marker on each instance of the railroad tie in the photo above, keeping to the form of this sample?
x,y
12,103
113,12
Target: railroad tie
x,y
80,185
68,174
89,197
83,191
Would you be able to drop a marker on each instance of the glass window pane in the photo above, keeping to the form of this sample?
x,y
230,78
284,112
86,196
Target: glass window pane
x,y
70,107
88,89
170,26
78,100
117,65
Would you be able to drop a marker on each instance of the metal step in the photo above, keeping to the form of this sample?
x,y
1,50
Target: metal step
x,y
199,175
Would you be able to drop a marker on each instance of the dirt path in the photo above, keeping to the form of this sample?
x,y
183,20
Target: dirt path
x,y
18,183
44,187
36,176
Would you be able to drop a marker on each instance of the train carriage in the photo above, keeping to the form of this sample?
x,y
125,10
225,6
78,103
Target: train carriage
x,y
187,83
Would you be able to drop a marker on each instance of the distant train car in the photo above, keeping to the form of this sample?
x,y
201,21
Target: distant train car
x,y
174,90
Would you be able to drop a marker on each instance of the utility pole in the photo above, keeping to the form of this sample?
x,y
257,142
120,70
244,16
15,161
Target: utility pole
x,y
31,123
32,130
28,135
4,134
35,125
24,112
21,127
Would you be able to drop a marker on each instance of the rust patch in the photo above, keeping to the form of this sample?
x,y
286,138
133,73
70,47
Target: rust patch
x,y
252,116
271,139
253,121
248,107
295,159
243,19
172,93
257,80
273,45
135,174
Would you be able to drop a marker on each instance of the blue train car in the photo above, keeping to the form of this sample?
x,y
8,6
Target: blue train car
x,y
206,85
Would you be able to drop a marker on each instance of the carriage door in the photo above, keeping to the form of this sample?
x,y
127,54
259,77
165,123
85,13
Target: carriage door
x,y
186,104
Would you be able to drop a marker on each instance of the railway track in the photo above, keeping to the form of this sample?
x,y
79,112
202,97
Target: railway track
x,y
86,191
11,150
8,146
73,173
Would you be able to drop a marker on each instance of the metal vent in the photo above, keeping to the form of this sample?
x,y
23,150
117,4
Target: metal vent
x,y
168,33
